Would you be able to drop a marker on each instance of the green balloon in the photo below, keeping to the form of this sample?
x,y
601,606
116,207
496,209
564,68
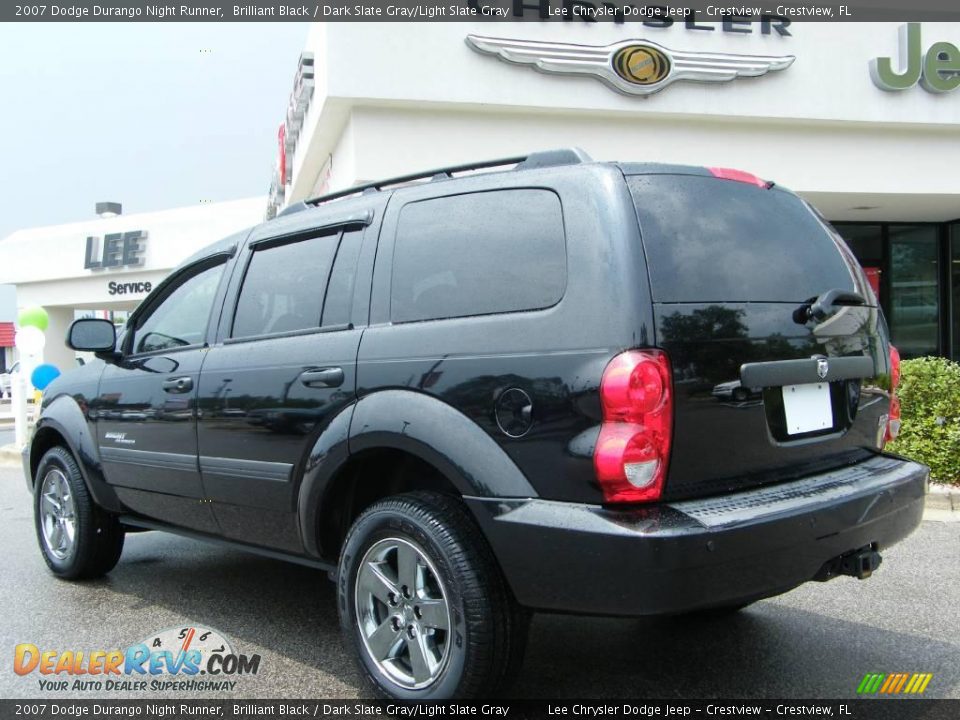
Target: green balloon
x,y
34,317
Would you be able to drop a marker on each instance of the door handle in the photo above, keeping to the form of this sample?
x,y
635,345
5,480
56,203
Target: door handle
x,y
178,385
323,378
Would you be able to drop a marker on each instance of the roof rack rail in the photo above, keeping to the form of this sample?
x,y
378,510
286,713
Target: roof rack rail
x,y
542,159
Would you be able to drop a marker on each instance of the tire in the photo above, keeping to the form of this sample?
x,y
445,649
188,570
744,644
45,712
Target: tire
x,y
402,647
61,502
741,394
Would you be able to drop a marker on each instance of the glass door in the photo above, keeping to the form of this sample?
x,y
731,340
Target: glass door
x,y
954,231
866,242
914,289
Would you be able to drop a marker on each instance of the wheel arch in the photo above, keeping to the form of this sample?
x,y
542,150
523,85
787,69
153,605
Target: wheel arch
x,y
63,423
397,441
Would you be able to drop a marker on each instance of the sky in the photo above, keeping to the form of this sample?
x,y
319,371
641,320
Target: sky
x,y
151,115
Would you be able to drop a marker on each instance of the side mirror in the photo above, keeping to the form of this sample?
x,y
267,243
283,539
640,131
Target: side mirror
x,y
92,335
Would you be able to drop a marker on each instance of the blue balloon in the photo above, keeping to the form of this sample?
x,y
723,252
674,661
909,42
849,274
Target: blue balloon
x,y
43,375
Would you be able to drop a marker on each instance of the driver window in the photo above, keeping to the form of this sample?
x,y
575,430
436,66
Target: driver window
x,y
181,318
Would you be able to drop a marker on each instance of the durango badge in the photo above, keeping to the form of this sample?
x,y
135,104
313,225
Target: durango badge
x,y
633,67
823,368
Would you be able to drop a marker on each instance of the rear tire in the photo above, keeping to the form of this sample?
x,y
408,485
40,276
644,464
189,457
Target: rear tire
x,y
423,603
77,538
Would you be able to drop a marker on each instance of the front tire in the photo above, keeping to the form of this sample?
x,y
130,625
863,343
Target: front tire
x,y
423,603
77,538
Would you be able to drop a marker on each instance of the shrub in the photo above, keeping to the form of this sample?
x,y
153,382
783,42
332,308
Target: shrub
x,y
929,395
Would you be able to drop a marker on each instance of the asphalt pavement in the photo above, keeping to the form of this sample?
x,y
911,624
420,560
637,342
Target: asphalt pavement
x,y
817,641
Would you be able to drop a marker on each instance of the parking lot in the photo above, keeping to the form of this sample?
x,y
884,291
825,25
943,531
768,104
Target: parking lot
x,y
817,641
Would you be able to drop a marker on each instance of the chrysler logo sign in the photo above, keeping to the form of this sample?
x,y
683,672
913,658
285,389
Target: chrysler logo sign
x,y
641,64
632,67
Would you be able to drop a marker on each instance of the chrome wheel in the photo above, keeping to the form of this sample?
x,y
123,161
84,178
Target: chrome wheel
x,y
58,515
402,613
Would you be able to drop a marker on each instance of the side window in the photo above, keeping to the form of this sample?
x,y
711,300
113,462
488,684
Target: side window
x,y
476,254
181,317
339,301
284,286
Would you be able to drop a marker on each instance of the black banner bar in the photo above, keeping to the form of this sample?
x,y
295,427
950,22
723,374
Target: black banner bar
x,y
899,708
476,10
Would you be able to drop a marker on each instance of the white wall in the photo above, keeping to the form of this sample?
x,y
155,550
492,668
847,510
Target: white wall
x,y
829,81
57,252
389,102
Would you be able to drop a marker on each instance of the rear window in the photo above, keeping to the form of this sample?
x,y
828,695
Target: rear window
x,y
710,240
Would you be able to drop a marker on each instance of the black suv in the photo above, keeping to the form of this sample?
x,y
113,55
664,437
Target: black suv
x,y
470,395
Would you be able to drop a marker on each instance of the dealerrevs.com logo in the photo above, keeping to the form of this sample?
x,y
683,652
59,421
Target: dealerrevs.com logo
x,y
186,659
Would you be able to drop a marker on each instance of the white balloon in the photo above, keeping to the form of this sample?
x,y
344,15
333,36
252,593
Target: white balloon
x,y
30,340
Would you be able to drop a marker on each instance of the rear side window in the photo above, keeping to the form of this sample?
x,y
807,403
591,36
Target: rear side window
x,y
476,254
283,288
710,240
339,300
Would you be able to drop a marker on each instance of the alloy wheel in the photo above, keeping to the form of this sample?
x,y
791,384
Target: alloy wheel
x,y
57,514
403,613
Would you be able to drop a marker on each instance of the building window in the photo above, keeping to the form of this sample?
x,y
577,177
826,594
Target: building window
x,y
955,288
914,289
866,242
904,261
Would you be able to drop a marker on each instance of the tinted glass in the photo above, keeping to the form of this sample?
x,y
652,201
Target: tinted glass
x,y
866,241
181,318
283,287
476,254
914,290
339,301
867,244
711,240
955,286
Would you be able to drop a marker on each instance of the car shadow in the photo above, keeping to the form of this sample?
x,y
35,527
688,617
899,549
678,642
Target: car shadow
x,y
768,650
282,607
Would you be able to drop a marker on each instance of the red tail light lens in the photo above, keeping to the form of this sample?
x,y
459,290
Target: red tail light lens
x,y
633,449
738,175
893,418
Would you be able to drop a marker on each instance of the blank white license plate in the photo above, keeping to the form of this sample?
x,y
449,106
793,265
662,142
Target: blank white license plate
x,y
807,407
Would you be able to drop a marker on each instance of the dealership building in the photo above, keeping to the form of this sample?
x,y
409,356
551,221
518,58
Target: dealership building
x,y
861,119
106,265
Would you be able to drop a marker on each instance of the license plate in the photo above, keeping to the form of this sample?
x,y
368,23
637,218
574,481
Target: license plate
x,y
807,408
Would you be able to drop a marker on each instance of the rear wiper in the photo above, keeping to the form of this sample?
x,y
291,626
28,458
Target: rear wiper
x,y
822,307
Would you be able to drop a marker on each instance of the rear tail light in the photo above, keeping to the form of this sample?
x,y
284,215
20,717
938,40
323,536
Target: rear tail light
x,y
739,176
633,449
893,418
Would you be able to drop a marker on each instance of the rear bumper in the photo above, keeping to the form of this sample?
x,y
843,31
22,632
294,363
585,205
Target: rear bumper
x,y
699,553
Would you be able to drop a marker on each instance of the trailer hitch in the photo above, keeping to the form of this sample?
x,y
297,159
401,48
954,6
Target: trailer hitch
x,y
859,563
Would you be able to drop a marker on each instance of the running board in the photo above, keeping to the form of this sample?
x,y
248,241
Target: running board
x,y
143,524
